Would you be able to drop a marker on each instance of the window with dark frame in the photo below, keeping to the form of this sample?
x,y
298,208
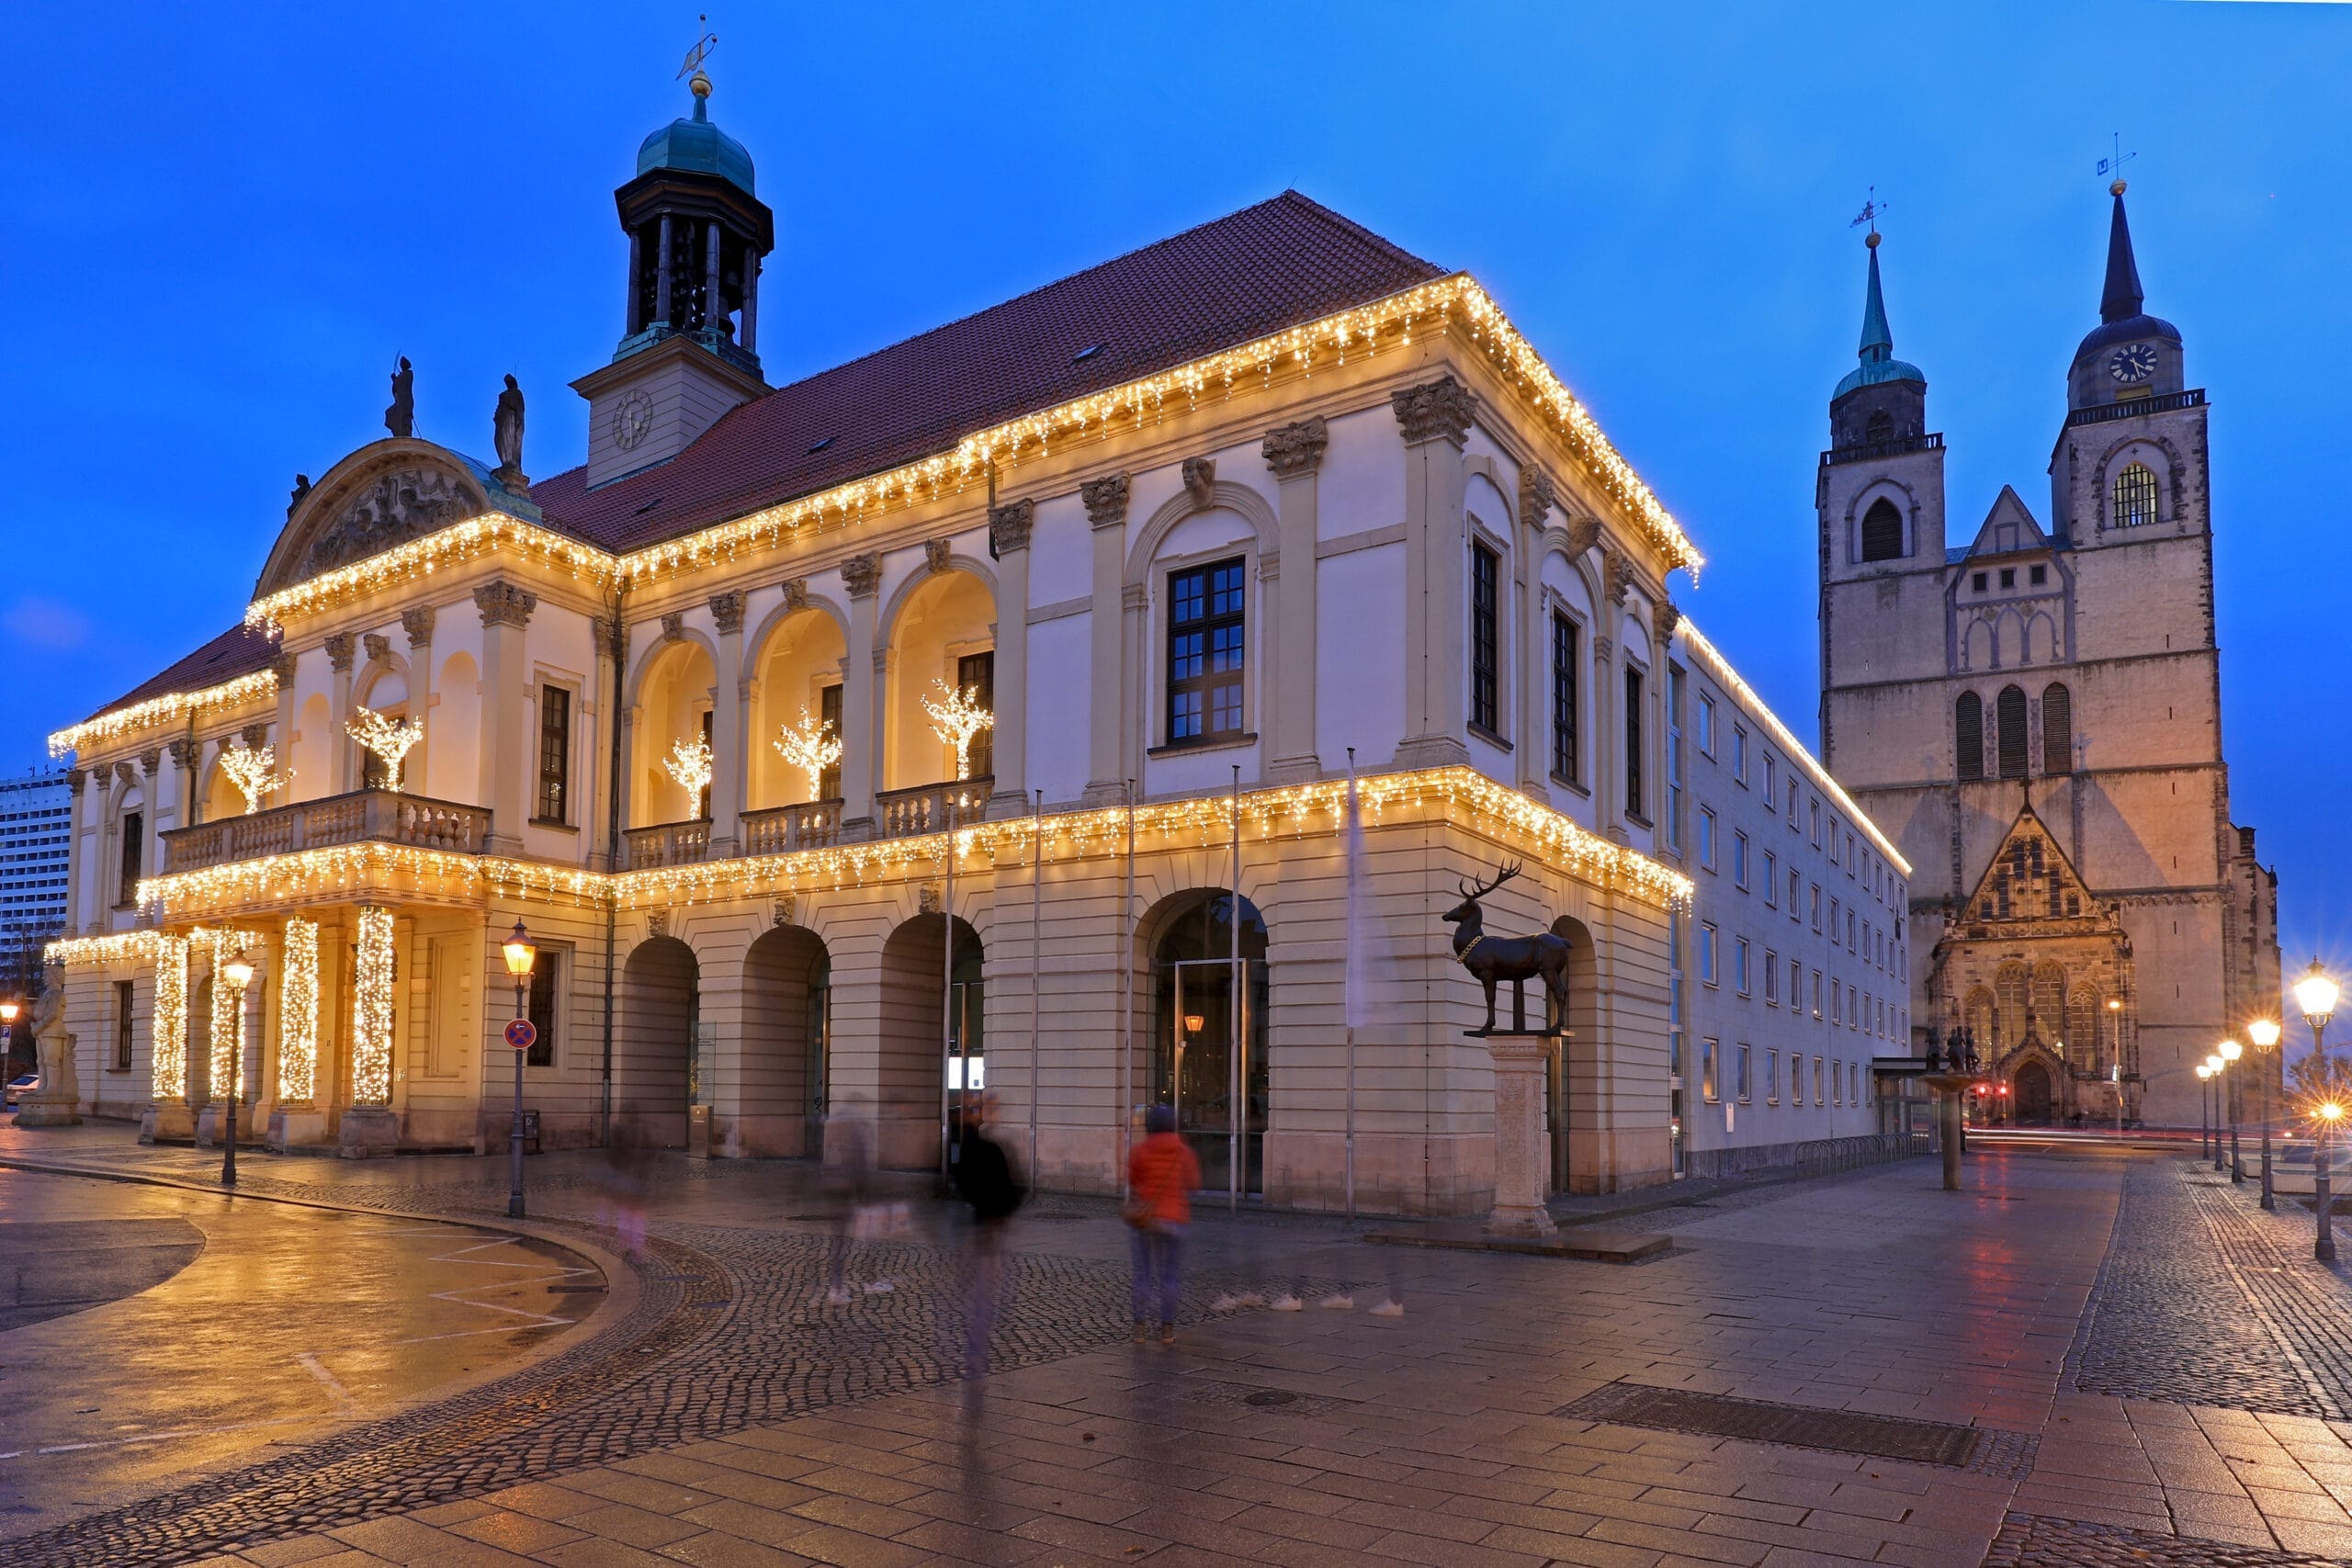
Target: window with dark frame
x,y
829,713
1206,607
1564,698
555,754
543,989
2008,721
1881,532
2135,495
1634,741
134,849
124,1000
976,678
1486,640
1968,734
2057,729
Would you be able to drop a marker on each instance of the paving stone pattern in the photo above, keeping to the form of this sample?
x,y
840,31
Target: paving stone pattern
x,y
2030,1541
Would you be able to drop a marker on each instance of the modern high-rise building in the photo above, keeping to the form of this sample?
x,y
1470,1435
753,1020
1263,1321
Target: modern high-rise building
x,y
35,830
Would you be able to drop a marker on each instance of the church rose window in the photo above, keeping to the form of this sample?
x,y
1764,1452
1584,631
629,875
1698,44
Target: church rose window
x,y
2057,729
2009,715
1968,734
2135,496
1881,532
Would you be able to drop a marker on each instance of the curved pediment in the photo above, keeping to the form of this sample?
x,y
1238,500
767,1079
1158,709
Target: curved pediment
x,y
381,496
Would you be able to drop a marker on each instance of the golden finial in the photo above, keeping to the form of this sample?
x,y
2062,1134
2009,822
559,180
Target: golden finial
x,y
700,82
2115,189
2113,163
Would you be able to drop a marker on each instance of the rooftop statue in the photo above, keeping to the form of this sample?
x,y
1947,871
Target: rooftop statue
x,y
401,418
506,432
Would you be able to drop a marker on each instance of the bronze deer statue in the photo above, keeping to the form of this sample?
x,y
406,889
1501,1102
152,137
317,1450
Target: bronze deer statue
x,y
1516,958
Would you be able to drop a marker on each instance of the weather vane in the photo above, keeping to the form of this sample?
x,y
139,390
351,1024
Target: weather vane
x,y
1872,207
2113,165
701,50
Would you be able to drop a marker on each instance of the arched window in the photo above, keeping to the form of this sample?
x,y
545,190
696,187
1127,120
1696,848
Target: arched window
x,y
2135,496
1880,427
1881,532
1968,734
2057,729
2008,718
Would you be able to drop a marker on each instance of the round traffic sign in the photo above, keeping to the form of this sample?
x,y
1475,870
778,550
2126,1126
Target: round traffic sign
x,y
522,1033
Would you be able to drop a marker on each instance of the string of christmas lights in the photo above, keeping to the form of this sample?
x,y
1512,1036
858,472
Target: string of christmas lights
x,y
812,747
250,771
171,708
170,1025
371,1009
957,718
297,1013
228,1008
389,739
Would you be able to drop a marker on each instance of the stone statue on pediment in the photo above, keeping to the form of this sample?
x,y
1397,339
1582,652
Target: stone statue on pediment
x,y
401,418
506,433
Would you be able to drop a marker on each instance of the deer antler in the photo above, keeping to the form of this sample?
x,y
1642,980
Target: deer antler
x,y
1504,874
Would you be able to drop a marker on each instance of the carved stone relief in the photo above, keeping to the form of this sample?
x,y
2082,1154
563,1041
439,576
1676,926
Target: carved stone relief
x,y
1295,450
340,647
938,554
674,626
727,609
862,573
1009,526
1535,496
505,604
1200,480
401,506
418,623
1442,409
378,647
1106,500
796,593
1584,532
785,907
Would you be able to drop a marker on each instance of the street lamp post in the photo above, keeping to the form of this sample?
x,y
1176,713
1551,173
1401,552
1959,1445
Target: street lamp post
x,y
2114,1068
239,975
2264,1033
2204,1108
8,1011
2315,994
520,956
2231,1051
2214,1065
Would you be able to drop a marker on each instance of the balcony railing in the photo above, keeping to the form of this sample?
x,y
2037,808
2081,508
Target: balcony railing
x,y
363,816
780,829
2099,413
669,843
932,808
1873,451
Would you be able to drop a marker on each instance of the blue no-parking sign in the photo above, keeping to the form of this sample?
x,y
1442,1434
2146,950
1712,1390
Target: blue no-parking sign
x,y
522,1034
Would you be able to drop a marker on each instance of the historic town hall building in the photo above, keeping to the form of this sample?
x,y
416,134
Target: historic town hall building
x,y
938,705
2032,708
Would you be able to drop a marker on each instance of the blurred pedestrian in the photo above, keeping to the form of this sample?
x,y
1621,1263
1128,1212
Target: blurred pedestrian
x,y
1161,1174
984,1179
629,1154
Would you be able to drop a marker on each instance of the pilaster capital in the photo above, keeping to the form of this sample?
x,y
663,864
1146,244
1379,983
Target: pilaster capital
x,y
186,753
281,666
938,554
1200,481
340,647
1294,451
609,633
1536,496
862,574
378,647
1435,410
1009,526
151,761
255,735
1106,500
74,779
418,623
1669,617
727,609
503,603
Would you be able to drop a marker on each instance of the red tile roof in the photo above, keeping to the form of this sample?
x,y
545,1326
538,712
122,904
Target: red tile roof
x,y
1255,272
237,651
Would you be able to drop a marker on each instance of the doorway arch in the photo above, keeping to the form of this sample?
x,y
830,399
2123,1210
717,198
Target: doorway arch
x,y
654,1077
781,1073
911,1076
2030,1090
1193,1065
1572,1078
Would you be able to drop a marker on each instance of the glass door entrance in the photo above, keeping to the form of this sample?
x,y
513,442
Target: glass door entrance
x,y
1217,1087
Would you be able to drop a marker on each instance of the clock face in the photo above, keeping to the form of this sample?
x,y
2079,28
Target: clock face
x,y
2134,364
632,419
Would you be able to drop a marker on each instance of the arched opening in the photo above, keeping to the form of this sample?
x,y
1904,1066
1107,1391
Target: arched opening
x,y
386,695
2057,729
1968,735
1211,1065
917,1071
944,634
673,709
2030,1090
2135,496
1881,532
2008,718
656,1063
453,756
787,1013
1573,1077
222,796
801,681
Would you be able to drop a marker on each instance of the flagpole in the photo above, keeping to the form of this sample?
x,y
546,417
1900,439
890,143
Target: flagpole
x,y
1238,1105
1353,979
1121,1102
1036,900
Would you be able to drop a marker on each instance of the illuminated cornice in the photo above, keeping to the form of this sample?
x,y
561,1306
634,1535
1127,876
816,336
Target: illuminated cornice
x,y
140,947
1457,301
1720,668
173,708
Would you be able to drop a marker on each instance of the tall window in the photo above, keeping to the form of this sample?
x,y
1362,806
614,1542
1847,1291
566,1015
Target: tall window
x,y
1486,638
2057,729
1564,698
122,1005
373,773
542,1012
976,677
1968,734
2008,719
702,798
1204,626
2135,496
1881,532
555,753
1633,741
829,712
1674,758
134,849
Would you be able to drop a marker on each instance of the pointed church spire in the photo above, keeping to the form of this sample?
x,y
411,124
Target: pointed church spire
x,y
1878,343
2122,299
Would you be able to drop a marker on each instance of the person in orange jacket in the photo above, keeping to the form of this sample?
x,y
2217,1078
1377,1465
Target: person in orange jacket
x,y
1161,1174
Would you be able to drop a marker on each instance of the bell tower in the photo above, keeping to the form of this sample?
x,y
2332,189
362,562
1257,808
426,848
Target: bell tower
x,y
689,343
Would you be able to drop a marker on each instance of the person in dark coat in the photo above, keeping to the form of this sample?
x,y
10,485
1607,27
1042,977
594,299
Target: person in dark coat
x,y
985,1179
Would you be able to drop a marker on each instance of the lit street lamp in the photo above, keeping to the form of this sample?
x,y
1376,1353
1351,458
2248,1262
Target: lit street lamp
x,y
2231,1051
239,975
2327,1115
2264,1033
2315,994
2204,1108
2214,1065
520,956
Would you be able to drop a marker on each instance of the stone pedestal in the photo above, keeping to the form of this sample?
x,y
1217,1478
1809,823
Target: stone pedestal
x,y
1522,1158
167,1122
295,1126
207,1127
1948,1088
46,1111
370,1131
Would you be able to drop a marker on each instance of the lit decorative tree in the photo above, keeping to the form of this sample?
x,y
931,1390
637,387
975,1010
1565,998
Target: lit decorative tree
x,y
812,747
689,763
249,770
956,716
389,738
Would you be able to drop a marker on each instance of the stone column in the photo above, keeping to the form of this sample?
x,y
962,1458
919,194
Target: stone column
x,y
1294,454
340,647
727,724
1608,736
1435,418
150,763
505,784
714,310
661,275
860,708
750,301
1522,1156
418,623
1535,738
603,706
636,265
1106,509
283,666
1009,527
187,755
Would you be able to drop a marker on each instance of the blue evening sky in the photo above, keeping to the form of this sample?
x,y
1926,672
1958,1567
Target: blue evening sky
x,y
224,222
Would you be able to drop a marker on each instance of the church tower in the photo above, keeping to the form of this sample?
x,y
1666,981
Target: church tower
x,y
689,348
2032,709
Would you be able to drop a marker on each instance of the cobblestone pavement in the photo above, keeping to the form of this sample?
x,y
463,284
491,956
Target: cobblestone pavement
x,y
733,1419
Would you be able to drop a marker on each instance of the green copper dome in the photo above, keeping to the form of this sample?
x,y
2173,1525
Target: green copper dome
x,y
1878,365
698,146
